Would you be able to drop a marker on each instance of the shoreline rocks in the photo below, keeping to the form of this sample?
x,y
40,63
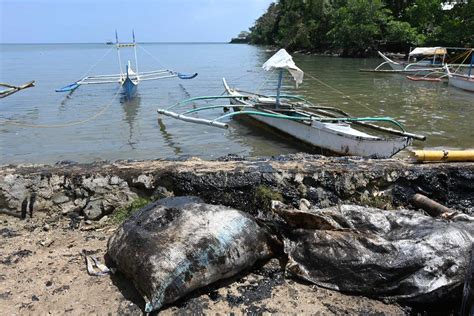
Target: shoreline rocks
x,y
90,192
98,189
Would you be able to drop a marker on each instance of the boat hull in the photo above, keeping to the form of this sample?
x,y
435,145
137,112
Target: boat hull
x,y
462,82
129,88
317,134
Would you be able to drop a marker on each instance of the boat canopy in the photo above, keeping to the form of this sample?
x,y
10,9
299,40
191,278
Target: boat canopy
x,y
283,60
429,51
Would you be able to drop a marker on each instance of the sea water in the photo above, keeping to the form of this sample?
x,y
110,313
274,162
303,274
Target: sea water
x,y
95,122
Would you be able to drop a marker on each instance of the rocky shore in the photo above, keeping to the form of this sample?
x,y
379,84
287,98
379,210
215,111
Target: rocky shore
x,y
53,215
96,190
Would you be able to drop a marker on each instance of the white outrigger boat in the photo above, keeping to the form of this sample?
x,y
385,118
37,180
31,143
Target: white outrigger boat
x,y
462,81
128,79
325,127
432,63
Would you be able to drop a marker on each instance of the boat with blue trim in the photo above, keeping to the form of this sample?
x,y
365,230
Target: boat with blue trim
x,y
128,79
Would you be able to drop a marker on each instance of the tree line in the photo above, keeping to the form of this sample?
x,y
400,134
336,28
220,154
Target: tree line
x,y
359,27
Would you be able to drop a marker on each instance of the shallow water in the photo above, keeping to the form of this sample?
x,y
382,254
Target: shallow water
x,y
133,130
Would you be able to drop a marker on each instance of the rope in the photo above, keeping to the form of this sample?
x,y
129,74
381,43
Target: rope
x,y
94,65
154,58
467,56
468,52
102,111
264,82
240,77
341,93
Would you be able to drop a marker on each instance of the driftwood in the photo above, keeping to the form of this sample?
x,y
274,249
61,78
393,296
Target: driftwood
x,y
431,207
13,89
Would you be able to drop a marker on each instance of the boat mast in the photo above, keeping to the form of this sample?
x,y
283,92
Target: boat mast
x,y
118,53
280,80
135,49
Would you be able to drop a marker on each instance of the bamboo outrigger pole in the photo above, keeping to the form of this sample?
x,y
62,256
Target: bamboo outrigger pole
x,y
13,89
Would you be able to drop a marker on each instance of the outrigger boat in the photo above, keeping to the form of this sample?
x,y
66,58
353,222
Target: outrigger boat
x,y
128,79
421,67
432,62
325,127
462,81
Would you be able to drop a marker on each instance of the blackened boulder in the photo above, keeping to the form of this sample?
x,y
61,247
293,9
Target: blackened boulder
x,y
399,254
177,245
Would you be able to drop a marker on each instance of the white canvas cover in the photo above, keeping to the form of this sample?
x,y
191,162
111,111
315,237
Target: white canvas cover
x,y
283,60
428,51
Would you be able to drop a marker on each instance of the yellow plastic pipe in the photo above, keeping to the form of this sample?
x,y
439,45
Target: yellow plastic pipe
x,y
444,155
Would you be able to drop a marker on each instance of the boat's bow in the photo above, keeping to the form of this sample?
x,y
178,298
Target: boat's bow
x,y
461,81
130,82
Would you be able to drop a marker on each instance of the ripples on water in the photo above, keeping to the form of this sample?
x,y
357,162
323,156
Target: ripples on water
x,y
133,130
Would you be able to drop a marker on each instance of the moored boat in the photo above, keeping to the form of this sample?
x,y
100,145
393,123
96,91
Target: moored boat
x,y
325,127
462,81
422,61
130,82
128,79
305,125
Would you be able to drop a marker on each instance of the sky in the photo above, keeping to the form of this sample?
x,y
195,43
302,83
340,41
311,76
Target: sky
x,y
95,21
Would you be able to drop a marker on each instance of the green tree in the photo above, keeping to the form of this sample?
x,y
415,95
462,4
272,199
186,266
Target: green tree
x,y
265,27
303,24
404,34
397,7
456,27
358,26
244,34
425,16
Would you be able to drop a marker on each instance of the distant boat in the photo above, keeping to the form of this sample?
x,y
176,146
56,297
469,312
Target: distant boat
x,y
128,79
109,43
462,81
433,60
419,67
325,127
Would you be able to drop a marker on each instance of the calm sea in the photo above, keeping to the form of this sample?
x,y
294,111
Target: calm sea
x,y
133,130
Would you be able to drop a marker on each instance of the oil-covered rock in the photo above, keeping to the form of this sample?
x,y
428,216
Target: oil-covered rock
x,y
177,245
397,254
